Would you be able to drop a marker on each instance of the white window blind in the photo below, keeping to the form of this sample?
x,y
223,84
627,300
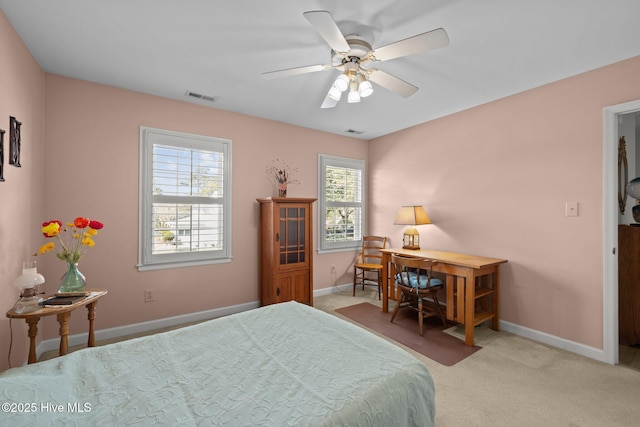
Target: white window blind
x,y
341,202
185,199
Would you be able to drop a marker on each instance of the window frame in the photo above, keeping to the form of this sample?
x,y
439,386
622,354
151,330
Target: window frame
x,y
148,261
325,160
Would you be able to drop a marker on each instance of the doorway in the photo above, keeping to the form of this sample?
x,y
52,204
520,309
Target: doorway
x,y
610,240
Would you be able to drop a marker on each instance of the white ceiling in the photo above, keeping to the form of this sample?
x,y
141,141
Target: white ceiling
x,y
219,48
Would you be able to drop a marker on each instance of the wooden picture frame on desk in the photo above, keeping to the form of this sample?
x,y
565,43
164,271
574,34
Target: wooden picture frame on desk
x,y
470,280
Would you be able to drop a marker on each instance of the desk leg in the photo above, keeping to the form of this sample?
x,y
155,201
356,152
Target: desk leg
x,y
63,320
385,282
495,322
449,287
91,315
33,333
460,299
469,308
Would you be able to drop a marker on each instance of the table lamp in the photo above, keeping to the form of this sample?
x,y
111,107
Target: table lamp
x,y
412,216
633,190
28,283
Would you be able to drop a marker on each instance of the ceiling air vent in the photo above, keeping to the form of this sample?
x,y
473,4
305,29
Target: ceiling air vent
x,y
199,96
355,132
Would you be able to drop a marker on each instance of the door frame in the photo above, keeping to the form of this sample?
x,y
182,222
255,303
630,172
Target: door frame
x,y
610,225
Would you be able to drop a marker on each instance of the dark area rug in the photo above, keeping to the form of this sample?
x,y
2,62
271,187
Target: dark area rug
x,y
435,343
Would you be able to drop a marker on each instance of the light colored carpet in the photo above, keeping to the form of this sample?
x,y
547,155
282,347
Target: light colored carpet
x,y
513,381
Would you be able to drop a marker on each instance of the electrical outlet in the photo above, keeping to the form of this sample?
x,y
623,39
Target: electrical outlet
x,y
148,295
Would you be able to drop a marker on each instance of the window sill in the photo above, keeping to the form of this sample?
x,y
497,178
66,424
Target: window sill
x,y
329,251
171,265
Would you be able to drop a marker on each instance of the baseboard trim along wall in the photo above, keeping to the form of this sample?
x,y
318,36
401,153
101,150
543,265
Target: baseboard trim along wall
x,y
532,334
136,328
553,341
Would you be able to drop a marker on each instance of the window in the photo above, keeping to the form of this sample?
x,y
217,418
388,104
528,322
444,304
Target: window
x,y
185,199
341,205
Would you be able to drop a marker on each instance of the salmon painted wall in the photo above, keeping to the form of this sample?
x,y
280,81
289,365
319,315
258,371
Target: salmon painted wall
x,y
21,194
494,180
86,163
92,151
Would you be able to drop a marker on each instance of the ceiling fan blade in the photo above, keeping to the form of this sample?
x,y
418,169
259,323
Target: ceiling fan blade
x,y
416,44
295,71
325,25
392,83
328,102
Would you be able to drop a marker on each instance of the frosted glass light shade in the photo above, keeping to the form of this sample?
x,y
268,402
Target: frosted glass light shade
x,y
633,188
27,283
30,278
365,88
334,93
342,82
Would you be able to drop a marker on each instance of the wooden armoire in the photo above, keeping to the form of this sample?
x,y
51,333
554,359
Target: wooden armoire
x,y
629,284
285,243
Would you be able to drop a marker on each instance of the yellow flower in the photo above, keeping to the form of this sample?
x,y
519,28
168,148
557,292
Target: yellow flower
x,y
51,229
46,248
88,242
91,232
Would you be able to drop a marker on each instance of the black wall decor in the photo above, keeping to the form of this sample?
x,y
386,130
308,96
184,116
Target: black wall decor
x,y
14,142
1,154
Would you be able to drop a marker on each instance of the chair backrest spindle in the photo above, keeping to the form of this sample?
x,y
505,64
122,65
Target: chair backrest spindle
x,y
371,246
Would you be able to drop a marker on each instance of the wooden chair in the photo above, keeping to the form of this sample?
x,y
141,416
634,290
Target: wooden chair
x,y
369,261
413,277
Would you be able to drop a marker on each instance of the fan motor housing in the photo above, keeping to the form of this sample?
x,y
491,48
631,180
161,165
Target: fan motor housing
x,y
359,48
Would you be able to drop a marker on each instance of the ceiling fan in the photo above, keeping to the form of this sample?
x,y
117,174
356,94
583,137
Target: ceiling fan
x,y
354,57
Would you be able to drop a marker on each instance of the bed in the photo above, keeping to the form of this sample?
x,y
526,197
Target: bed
x,y
281,365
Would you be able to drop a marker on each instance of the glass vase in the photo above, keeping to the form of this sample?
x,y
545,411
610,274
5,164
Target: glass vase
x,y
73,280
282,189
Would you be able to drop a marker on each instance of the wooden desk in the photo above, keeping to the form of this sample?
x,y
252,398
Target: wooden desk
x,y
472,285
63,313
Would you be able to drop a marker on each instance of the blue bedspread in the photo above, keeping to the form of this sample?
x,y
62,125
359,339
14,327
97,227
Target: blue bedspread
x,y
281,365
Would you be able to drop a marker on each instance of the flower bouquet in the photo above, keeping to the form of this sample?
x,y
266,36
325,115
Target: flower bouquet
x,y
281,172
74,239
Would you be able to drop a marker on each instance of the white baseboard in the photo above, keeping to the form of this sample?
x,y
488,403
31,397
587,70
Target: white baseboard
x,y
332,290
535,335
135,328
120,331
554,341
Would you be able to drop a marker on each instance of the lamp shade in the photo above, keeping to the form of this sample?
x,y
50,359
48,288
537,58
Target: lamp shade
x,y
633,188
412,215
27,283
29,278
342,82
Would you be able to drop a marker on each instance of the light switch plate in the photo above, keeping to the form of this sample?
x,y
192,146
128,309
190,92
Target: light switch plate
x,y
571,209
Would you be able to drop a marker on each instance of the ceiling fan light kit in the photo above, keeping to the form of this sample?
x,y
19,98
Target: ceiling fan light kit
x,y
352,55
341,83
354,95
364,87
